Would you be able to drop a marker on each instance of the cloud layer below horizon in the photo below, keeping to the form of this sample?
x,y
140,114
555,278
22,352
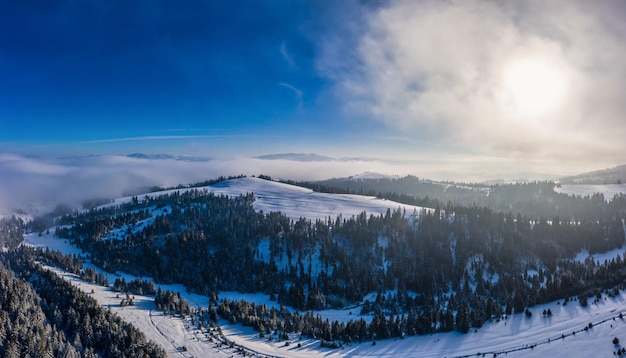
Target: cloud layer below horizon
x,y
418,87
28,182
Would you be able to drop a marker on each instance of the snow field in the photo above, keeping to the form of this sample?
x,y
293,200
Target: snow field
x,y
293,201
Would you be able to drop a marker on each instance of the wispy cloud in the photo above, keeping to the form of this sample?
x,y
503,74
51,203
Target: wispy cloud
x,y
155,138
296,91
286,56
27,182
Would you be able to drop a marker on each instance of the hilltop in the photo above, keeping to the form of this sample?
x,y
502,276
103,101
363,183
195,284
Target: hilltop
x,y
616,175
373,267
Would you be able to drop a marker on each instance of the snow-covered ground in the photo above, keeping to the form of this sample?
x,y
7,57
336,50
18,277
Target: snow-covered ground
x,y
608,190
170,333
561,335
296,202
293,201
120,232
514,335
603,257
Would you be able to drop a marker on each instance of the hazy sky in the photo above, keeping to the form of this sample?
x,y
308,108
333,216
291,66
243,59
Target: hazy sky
x,y
443,89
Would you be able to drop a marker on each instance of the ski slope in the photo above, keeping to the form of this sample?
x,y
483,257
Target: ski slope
x,y
517,335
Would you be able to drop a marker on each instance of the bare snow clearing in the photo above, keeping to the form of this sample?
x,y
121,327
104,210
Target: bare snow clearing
x,y
294,201
608,190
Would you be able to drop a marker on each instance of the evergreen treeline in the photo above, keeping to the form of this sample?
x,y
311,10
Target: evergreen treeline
x,y
399,315
135,287
69,263
534,199
44,315
24,329
11,232
450,269
171,303
90,275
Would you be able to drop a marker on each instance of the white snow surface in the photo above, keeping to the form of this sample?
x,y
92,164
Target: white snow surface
x,y
296,202
515,334
602,257
608,190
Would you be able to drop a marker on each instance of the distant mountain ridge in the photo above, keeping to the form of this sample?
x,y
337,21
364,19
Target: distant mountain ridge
x,y
299,157
372,175
184,158
312,157
616,175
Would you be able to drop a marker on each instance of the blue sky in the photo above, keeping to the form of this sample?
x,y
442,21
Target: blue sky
x,y
76,73
456,89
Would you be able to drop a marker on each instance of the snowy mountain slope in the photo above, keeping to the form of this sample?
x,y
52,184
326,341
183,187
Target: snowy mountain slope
x,y
514,335
517,335
510,335
609,175
294,201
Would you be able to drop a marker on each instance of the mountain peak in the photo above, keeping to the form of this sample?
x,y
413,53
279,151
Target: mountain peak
x,y
372,175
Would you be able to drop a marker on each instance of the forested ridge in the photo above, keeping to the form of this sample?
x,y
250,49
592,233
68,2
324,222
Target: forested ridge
x,y
43,315
531,199
11,232
451,268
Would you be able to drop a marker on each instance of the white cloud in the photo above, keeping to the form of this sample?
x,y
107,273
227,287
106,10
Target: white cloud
x,y
434,69
44,182
28,182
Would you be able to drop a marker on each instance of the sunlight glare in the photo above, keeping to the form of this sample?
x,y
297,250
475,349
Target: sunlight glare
x,y
534,87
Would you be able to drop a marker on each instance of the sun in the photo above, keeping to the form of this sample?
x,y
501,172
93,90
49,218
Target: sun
x,y
534,88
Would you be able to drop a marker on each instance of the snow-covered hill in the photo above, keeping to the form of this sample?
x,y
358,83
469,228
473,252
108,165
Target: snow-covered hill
x,y
296,202
372,175
562,334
